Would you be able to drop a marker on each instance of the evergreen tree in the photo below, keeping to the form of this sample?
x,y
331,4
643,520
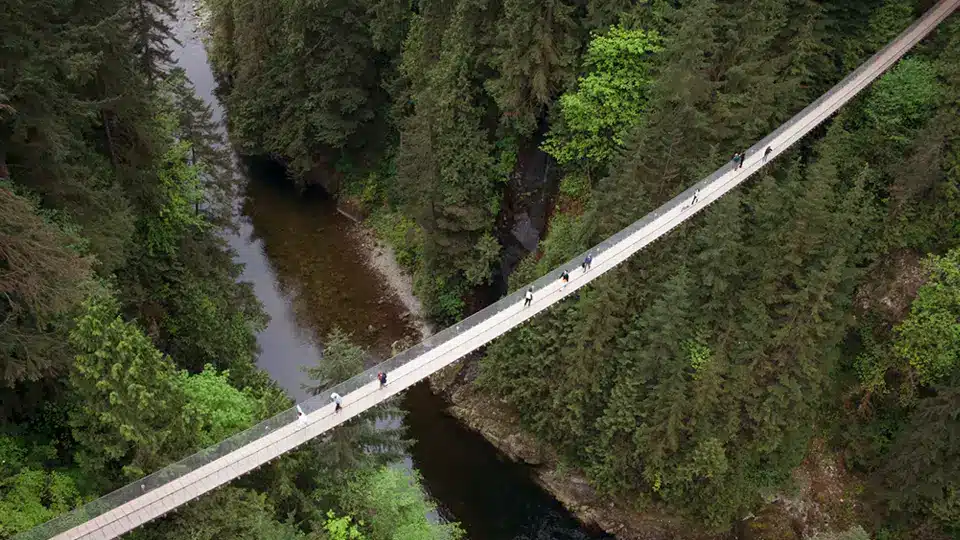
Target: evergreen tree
x,y
208,148
229,512
132,410
921,475
43,277
373,438
445,167
535,56
151,24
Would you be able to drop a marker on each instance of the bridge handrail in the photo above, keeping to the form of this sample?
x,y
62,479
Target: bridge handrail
x,y
176,470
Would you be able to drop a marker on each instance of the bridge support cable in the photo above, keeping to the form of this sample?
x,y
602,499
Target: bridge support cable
x,y
165,490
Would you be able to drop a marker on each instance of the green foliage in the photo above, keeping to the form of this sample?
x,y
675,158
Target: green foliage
x,y
609,100
221,409
929,338
42,281
229,512
902,100
302,79
485,254
445,162
575,186
693,376
397,509
120,173
535,56
208,147
30,495
179,186
402,234
180,262
442,296
130,408
342,528
134,409
373,438
565,239
921,471
341,360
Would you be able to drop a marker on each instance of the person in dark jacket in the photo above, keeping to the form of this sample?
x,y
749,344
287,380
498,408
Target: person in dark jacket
x,y
565,278
766,153
587,262
382,377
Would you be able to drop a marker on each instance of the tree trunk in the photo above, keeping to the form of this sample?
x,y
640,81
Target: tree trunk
x,y
106,128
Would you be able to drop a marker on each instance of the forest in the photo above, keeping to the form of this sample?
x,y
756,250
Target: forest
x,y
126,341
817,304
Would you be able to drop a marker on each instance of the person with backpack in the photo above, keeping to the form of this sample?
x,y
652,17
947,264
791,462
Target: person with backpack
x,y
528,298
382,377
587,262
335,397
737,160
565,278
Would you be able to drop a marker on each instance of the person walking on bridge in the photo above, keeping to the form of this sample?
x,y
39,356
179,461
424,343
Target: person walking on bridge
x,y
743,159
587,261
335,397
565,278
766,153
382,377
737,160
300,416
528,298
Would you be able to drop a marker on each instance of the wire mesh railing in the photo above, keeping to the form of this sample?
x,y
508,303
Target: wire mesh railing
x,y
622,243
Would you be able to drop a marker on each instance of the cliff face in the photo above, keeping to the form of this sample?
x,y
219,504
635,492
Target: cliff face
x,y
823,498
498,424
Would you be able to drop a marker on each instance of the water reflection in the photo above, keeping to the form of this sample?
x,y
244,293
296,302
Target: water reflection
x,y
318,259
493,497
310,274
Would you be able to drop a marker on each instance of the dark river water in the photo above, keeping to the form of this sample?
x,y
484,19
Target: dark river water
x,y
307,267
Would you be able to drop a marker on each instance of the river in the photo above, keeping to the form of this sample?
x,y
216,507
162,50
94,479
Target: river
x,y
308,268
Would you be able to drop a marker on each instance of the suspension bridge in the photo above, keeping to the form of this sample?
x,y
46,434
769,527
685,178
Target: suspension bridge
x,y
163,491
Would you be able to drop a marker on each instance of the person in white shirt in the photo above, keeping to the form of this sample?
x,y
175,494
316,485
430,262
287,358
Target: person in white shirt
x,y
335,397
300,416
527,298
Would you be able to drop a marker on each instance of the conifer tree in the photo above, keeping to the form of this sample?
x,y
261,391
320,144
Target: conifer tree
x,y
921,475
373,438
445,166
535,56
43,278
133,412
208,148
151,21
658,158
